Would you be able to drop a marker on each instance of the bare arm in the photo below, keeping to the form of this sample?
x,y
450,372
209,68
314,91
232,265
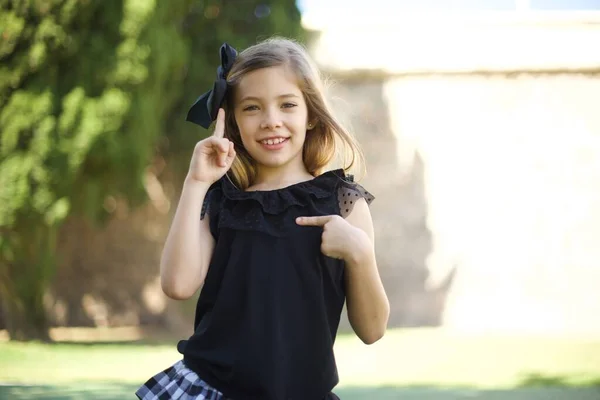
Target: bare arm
x,y
351,239
189,245
367,303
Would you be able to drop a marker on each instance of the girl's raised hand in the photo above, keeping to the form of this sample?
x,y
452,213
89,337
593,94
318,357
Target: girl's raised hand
x,y
212,156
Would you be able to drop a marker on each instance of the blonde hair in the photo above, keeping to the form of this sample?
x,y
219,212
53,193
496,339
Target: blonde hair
x,y
322,143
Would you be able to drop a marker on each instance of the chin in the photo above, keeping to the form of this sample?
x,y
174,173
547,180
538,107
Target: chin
x,y
273,161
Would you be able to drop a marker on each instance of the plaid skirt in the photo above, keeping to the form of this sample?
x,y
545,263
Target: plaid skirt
x,y
177,382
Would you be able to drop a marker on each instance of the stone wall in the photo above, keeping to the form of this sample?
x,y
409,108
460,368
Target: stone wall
x,y
488,196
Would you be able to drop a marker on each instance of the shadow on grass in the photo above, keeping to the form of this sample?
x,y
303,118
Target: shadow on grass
x,y
539,380
431,393
123,343
99,391
121,391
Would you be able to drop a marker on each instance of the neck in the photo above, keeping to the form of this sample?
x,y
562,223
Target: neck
x,y
271,178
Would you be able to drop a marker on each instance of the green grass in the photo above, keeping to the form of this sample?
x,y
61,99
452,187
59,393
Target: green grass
x,y
407,364
116,391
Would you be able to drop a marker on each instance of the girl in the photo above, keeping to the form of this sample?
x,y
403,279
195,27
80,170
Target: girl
x,y
275,245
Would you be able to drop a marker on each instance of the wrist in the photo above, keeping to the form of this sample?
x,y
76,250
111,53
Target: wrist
x,y
361,249
194,184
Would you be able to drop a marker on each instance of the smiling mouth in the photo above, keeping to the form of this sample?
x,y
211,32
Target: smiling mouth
x,y
270,142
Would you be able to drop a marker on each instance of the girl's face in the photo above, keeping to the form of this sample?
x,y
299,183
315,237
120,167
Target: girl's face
x,y
272,116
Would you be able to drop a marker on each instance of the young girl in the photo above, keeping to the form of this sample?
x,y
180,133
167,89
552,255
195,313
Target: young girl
x,y
275,244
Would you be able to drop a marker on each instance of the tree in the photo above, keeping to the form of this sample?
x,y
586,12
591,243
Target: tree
x,y
89,92
206,26
68,70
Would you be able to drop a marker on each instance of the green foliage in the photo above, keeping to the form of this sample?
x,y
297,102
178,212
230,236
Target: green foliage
x,y
90,91
68,69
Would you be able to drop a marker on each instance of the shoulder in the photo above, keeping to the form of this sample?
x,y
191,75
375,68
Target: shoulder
x,y
353,200
350,195
360,217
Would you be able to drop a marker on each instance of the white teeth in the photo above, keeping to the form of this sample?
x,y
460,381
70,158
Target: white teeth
x,y
273,141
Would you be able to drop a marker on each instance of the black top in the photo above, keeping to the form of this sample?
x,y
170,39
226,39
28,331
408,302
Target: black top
x,y
269,310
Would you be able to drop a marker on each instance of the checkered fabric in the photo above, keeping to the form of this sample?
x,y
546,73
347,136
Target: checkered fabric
x,y
178,382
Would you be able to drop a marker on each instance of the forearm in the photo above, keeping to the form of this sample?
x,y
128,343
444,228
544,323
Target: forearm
x,y
183,265
367,303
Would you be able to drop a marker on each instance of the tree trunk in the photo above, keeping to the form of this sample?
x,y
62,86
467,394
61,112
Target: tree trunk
x,y
26,321
27,265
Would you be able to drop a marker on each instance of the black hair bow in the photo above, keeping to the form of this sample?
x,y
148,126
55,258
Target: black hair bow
x,y
204,111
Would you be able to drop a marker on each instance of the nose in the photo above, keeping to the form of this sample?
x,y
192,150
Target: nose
x,y
271,120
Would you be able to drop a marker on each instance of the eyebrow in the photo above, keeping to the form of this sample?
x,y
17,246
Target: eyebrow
x,y
281,96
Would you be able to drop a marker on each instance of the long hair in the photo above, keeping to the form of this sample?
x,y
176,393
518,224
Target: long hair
x,y
326,141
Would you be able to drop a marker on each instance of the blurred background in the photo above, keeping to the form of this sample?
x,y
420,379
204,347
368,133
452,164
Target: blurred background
x,y
481,126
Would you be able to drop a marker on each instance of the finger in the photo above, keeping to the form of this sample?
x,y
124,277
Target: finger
x,y
223,158
223,152
220,125
231,153
314,221
220,147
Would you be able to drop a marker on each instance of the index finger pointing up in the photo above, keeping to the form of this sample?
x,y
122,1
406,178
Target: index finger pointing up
x,y
220,125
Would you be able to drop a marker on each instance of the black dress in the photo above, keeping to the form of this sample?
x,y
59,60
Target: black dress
x,y
268,313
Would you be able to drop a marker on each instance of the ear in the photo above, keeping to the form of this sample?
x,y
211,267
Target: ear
x,y
310,125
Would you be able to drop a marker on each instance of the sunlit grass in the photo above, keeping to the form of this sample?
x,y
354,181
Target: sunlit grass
x,y
435,357
34,363
411,357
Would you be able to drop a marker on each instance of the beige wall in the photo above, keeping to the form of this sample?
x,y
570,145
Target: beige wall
x,y
513,189
488,194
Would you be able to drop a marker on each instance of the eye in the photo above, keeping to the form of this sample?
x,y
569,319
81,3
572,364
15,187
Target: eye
x,y
250,108
288,105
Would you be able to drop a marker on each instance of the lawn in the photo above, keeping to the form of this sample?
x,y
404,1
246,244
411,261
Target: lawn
x,y
427,364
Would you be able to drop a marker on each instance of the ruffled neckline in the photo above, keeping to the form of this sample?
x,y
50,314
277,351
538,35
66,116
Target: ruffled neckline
x,y
319,185
276,201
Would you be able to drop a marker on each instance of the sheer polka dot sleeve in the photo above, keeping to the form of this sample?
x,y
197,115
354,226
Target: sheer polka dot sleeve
x,y
349,193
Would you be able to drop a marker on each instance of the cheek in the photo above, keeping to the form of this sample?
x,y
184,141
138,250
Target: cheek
x,y
246,140
245,130
301,134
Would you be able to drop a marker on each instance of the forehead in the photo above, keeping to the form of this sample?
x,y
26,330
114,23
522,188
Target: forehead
x,y
268,83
